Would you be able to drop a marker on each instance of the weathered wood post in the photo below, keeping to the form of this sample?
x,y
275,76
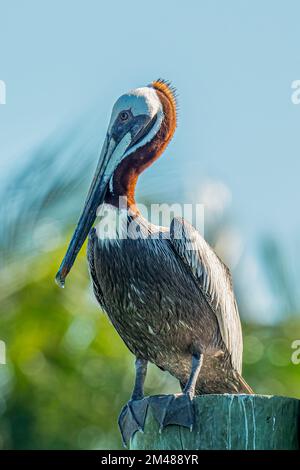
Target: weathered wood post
x,y
246,422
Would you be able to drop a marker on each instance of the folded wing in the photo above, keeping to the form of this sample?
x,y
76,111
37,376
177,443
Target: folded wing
x,y
214,281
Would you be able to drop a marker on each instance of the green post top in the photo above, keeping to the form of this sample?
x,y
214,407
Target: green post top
x,y
248,422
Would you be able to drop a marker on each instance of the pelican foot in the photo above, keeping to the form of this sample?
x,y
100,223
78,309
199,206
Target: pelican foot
x,y
132,419
173,409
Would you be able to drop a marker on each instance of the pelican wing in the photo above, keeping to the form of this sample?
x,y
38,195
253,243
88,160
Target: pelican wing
x,y
215,282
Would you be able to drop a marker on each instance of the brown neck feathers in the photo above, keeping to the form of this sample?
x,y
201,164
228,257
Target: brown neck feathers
x,y
126,174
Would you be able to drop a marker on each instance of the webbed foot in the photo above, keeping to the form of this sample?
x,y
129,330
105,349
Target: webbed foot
x,y
173,409
132,419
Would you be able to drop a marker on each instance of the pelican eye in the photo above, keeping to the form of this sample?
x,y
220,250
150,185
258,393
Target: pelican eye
x,y
124,115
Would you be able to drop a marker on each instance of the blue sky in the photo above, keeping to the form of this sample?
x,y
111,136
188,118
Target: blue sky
x,y
232,62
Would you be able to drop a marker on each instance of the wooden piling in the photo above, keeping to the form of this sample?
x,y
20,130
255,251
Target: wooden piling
x,y
248,422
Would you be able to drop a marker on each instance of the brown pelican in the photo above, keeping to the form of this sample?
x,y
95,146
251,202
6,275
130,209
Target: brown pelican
x,y
166,292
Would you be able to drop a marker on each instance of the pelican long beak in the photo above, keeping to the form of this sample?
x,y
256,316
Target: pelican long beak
x,y
111,154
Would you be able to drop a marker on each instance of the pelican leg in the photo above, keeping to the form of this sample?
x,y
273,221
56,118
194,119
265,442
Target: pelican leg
x,y
178,409
189,389
140,376
133,414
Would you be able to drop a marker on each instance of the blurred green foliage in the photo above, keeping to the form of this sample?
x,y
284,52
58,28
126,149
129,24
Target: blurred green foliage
x,y
68,373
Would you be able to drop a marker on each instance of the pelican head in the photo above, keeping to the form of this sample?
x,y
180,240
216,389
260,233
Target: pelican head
x,y
136,120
